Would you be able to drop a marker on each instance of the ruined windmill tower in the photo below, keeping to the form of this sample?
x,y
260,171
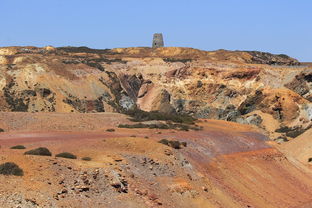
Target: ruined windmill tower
x,y
158,40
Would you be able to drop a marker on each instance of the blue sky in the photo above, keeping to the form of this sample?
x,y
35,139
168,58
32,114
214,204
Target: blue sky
x,y
277,26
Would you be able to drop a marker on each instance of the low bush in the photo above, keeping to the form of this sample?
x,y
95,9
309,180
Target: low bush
x,y
42,151
10,168
83,49
139,116
66,155
283,129
87,158
176,60
173,143
168,125
178,126
184,144
310,159
110,130
141,126
164,141
1,130
292,132
18,147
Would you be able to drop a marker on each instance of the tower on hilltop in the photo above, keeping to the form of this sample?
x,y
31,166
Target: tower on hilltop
x,y
158,40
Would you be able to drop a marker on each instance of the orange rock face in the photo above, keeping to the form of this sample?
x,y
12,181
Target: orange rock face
x,y
227,85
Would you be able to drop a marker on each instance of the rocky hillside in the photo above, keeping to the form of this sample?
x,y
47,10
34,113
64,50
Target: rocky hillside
x,y
270,91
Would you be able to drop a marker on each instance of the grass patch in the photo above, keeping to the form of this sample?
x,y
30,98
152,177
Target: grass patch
x,y
42,151
18,147
10,168
86,158
66,155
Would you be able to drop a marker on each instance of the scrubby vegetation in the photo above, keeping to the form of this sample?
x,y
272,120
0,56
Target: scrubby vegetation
x,y
66,155
42,151
84,49
173,143
1,130
18,147
168,125
110,130
87,158
292,132
139,116
310,159
177,60
10,168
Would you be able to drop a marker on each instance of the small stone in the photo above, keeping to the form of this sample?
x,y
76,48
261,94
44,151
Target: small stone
x,y
64,191
82,188
168,152
152,197
61,181
205,189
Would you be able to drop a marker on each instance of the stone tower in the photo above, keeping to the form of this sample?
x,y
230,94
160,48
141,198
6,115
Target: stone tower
x,y
158,40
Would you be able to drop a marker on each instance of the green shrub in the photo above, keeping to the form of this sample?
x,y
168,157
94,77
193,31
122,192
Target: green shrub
x,y
176,60
42,151
283,129
1,130
169,125
87,158
66,155
18,147
10,168
133,126
110,130
164,141
310,159
139,115
173,143
83,49
292,132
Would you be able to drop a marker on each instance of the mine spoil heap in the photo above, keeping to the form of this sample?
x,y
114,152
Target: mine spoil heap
x,y
153,127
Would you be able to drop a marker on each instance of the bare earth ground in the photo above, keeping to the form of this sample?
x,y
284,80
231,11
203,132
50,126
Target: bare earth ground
x,y
225,165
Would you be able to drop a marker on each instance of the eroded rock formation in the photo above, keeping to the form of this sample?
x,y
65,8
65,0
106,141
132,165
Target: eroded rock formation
x,y
227,85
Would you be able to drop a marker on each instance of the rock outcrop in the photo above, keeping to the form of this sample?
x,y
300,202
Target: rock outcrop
x,y
227,85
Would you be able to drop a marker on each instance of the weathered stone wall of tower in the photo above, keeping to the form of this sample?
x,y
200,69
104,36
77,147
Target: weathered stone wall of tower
x,y
158,40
